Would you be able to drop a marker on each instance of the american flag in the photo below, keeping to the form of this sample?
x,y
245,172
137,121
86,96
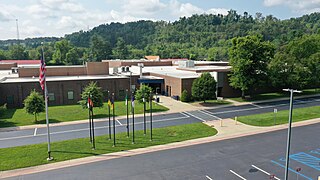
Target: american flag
x,y
42,74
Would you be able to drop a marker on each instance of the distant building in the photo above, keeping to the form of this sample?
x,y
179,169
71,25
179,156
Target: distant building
x,y
153,58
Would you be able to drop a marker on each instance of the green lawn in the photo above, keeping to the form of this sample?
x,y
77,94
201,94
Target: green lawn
x,y
267,119
19,117
267,96
32,155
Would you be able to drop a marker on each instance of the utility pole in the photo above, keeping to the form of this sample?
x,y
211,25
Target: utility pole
x,y
289,130
18,35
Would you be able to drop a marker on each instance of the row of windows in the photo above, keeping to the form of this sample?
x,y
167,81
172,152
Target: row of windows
x,y
70,95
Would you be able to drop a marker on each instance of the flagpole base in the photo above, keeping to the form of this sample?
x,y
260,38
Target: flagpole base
x,y
50,158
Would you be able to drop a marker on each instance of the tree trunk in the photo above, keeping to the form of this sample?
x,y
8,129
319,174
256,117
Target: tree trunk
x,y
35,117
242,95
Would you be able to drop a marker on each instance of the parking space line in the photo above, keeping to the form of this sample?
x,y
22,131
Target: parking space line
x,y
35,132
195,116
209,113
307,159
208,177
237,175
264,171
291,170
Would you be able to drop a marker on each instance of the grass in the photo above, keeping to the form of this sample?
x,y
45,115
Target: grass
x,y
267,96
19,117
210,103
32,155
267,119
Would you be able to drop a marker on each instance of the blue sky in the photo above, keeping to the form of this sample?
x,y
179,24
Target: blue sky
x,y
37,18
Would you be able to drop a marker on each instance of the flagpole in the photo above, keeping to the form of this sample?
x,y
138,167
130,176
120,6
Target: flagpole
x,y
47,117
144,116
93,138
128,133
150,115
132,109
90,131
114,122
109,115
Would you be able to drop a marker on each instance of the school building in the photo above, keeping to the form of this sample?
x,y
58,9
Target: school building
x,y
66,83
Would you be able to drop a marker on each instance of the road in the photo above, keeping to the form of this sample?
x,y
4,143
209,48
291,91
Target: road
x,y
65,132
251,157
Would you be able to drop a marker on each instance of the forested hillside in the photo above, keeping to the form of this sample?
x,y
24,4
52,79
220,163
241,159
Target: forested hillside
x,y
200,37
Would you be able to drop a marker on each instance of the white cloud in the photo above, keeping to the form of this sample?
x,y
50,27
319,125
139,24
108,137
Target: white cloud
x,y
188,9
305,6
59,17
142,7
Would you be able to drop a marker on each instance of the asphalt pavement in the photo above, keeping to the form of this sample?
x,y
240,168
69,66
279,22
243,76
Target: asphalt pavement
x,y
81,130
254,157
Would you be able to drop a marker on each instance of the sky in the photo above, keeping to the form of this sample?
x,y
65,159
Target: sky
x,y
47,18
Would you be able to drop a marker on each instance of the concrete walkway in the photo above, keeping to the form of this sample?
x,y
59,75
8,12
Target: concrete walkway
x,y
176,106
227,130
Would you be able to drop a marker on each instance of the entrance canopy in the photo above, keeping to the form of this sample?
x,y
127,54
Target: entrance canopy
x,y
150,80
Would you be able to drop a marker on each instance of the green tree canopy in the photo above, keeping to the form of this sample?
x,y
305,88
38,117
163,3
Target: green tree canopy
x,y
298,62
249,58
18,52
204,87
121,50
34,104
100,48
143,92
96,95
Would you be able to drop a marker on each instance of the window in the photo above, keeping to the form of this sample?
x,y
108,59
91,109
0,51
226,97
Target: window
x,y
9,99
51,96
70,95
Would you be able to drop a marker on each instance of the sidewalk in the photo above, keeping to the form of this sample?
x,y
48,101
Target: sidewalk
x,y
228,130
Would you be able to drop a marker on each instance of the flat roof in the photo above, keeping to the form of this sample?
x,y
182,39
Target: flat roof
x,y
207,68
60,78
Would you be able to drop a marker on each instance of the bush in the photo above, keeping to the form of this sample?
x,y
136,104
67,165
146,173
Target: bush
x,y
3,108
185,96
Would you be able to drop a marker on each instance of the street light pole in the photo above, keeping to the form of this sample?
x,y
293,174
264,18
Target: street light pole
x,y
289,130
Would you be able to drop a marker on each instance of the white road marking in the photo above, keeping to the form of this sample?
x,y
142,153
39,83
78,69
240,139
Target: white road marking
x,y
208,177
85,129
195,116
262,107
264,171
256,105
210,114
186,115
237,175
119,122
35,132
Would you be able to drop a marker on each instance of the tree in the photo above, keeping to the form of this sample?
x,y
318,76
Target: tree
x,y
143,92
121,49
18,52
185,96
204,87
72,57
100,48
249,58
61,49
34,104
96,95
